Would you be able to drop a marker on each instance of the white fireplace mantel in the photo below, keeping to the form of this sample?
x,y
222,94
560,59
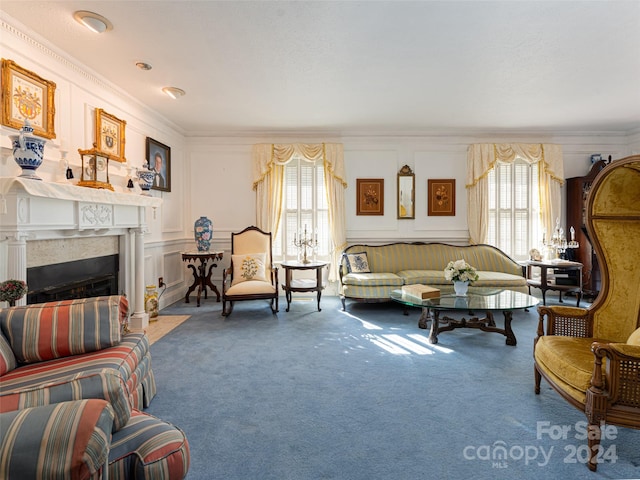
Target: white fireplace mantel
x,y
38,210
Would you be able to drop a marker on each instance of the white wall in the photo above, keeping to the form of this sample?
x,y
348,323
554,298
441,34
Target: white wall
x,y
78,93
212,176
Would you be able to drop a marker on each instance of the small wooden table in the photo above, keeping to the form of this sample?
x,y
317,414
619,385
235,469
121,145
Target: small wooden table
x,y
544,284
201,277
303,284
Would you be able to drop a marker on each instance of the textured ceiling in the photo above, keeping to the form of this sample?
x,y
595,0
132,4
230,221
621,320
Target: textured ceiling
x,y
349,67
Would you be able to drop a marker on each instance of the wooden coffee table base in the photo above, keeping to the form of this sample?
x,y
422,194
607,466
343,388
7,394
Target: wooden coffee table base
x,y
486,324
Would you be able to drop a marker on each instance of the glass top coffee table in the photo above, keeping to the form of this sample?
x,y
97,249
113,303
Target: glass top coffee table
x,y
478,299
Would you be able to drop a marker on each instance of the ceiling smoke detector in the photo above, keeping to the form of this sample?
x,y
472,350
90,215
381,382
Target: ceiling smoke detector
x,y
94,22
174,92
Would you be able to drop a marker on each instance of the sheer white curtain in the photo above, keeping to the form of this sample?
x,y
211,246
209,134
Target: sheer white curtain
x,y
268,174
481,159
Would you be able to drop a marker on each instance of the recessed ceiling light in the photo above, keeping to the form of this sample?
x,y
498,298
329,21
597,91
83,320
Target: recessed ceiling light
x,y
174,92
94,22
143,66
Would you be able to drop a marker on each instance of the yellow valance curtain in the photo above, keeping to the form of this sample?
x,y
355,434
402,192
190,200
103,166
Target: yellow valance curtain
x,y
268,178
482,158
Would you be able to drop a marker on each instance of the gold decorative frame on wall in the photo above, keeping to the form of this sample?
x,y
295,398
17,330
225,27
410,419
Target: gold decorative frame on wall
x,y
442,197
370,196
27,95
406,193
110,135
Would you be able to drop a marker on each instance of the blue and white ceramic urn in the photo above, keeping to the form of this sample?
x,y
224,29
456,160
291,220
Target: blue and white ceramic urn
x,y
203,232
146,177
28,151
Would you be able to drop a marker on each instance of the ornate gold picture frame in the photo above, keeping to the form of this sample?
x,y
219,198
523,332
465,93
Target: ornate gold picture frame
x,y
370,196
26,95
110,135
442,197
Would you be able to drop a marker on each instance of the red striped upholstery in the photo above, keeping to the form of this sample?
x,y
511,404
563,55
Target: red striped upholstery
x,y
148,448
59,329
129,363
64,440
104,385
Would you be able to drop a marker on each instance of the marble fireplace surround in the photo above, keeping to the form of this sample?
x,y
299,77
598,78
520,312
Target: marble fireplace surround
x,y
32,211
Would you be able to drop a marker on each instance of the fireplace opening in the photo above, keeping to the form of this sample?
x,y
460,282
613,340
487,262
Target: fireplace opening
x,y
92,277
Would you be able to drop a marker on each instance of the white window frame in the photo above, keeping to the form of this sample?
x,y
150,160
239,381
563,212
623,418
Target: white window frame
x,y
309,209
513,191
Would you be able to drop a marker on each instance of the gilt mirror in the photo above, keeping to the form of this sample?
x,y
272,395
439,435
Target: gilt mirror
x,y
406,193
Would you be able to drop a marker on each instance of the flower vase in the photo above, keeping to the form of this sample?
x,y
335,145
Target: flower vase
x,y
28,151
461,288
203,232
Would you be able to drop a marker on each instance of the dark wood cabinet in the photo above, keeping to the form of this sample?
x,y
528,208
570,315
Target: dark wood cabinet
x,y
577,191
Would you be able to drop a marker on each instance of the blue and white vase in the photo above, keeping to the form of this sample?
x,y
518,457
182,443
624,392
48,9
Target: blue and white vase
x,y
28,151
460,288
203,232
146,177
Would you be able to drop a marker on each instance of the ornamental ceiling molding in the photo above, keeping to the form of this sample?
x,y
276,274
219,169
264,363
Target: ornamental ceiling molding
x,y
62,60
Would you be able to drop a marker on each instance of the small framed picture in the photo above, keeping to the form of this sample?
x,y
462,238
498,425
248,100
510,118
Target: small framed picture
x,y
26,95
370,196
110,135
159,160
442,197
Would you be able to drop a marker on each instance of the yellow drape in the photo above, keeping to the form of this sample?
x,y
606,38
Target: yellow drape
x,y
268,179
481,159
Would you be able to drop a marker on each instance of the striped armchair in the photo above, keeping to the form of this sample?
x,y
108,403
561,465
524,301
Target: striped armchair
x,y
388,267
72,385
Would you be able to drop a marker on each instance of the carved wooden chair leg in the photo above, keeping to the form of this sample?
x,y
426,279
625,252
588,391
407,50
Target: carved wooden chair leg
x,y
593,433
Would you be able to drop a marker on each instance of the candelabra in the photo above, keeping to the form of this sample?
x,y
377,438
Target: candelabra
x,y
304,242
559,242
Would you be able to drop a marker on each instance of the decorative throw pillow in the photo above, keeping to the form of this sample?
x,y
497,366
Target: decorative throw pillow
x,y
634,338
250,266
358,263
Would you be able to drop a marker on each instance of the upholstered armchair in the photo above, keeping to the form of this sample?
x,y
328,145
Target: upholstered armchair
x,y
251,275
591,356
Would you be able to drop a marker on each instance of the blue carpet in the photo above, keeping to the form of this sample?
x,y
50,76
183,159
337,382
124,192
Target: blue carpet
x,y
362,395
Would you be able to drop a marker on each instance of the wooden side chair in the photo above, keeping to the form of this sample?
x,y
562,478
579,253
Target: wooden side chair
x,y
591,356
251,275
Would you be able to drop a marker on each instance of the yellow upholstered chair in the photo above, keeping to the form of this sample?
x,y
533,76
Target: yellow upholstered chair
x,y
251,275
591,356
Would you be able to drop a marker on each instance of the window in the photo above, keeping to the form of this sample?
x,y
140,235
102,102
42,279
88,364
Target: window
x,y
514,216
304,206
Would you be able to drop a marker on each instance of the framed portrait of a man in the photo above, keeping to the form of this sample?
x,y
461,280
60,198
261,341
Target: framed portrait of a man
x,y
159,160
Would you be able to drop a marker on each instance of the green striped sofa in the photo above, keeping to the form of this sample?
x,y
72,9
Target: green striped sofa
x,y
397,264
73,383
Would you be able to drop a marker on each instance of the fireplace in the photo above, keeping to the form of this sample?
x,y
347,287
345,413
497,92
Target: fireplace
x,y
33,211
90,277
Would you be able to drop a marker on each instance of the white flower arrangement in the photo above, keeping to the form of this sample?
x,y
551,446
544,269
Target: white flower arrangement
x,y
460,271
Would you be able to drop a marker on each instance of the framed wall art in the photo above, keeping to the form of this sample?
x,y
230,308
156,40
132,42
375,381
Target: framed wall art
x,y
26,95
110,135
159,160
370,196
442,197
406,193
